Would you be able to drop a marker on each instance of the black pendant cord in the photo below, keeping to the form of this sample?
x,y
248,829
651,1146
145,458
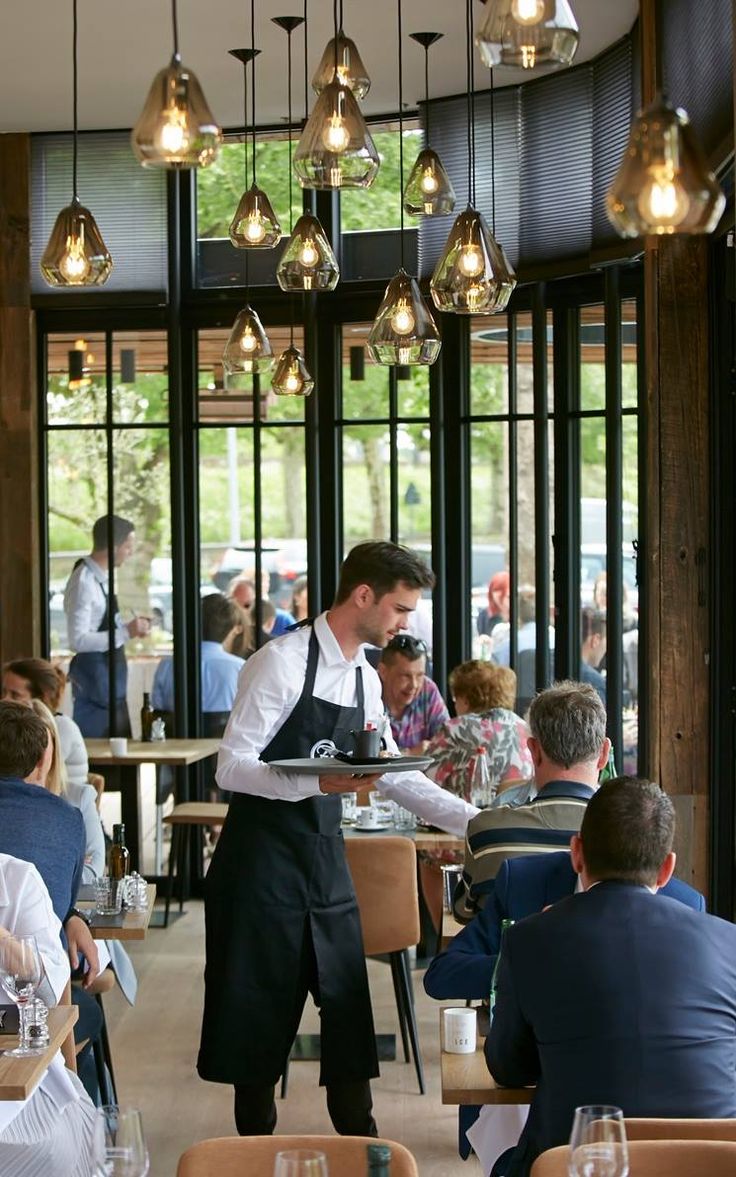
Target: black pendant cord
x,y
253,81
401,132
334,34
472,93
306,65
468,53
291,180
75,100
426,96
245,164
493,156
175,29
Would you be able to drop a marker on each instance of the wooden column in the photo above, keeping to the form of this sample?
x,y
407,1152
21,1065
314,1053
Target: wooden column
x,y
676,499
19,571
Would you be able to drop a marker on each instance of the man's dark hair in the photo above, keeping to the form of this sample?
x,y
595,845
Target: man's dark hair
x,y
23,739
407,646
592,623
121,529
627,830
219,615
382,566
569,721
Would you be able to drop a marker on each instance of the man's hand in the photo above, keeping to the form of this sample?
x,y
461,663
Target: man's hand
x,y
139,627
346,783
80,940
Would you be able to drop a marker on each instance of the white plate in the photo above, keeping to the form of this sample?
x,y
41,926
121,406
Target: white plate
x,y
324,766
384,825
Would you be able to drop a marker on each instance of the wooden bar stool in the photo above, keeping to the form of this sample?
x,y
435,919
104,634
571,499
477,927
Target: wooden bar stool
x,y
190,815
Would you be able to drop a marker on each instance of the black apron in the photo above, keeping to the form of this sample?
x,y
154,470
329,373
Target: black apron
x,y
90,678
279,887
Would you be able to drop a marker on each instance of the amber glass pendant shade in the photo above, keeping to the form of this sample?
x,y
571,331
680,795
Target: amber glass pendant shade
x,y
663,184
290,376
248,348
404,331
76,254
336,149
350,69
255,225
429,191
473,276
527,33
176,128
308,262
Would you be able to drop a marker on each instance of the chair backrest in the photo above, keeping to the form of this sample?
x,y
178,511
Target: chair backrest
x,y
97,781
232,1156
384,874
681,1129
652,1158
68,1052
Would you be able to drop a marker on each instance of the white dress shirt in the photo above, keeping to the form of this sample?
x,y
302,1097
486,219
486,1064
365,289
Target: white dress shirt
x,y
85,601
269,689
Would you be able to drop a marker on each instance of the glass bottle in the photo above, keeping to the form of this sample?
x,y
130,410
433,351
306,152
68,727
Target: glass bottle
x,y
608,772
480,783
379,1160
147,717
505,925
119,854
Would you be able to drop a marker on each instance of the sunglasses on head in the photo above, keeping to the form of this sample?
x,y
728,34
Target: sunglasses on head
x,y
406,644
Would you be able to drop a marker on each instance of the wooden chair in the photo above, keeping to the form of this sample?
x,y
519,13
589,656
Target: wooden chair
x,y
68,1051
190,815
103,983
652,1158
384,874
97,781
680,1129
232,1156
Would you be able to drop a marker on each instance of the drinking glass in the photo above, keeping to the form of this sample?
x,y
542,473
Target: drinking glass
x,y
300,1162
598,1143
120,1145
21,973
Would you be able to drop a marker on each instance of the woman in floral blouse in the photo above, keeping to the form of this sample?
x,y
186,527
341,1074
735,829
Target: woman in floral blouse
x,y
484,695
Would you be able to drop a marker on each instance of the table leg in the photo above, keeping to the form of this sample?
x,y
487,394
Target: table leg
x,y
130,812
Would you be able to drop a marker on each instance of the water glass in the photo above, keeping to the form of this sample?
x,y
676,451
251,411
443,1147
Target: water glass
x,y
598,1143
120,1146
404,819
21,973
109,895
349,808
300,1162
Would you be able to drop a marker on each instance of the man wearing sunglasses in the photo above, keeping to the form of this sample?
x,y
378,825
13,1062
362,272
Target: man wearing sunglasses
x,y
414,705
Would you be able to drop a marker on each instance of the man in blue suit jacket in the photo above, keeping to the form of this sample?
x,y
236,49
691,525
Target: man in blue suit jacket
x,y
524,886
594,1005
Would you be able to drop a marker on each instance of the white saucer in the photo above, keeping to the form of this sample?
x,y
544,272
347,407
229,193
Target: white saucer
x,y
384,825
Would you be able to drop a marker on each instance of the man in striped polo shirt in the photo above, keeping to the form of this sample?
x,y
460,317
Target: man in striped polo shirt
x,y
569,747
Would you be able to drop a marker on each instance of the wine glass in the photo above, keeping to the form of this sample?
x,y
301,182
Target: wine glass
x,y
119,1143
300,1162
598,1143
21,973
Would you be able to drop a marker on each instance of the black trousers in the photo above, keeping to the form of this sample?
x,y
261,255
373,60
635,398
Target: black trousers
x,y
350,1106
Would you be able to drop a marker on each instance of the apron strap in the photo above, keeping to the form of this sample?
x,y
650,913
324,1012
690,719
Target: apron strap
x,y
311,674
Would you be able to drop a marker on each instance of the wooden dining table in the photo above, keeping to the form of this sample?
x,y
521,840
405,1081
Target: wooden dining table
x,y
467,1080
128,925
180,755
19,1076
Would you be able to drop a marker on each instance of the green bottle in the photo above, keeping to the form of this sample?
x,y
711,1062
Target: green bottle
x,y
505,925
379,1160
608,772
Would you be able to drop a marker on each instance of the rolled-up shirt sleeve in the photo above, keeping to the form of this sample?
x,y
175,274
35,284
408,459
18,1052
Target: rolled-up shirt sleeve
x,y
268,690
28,912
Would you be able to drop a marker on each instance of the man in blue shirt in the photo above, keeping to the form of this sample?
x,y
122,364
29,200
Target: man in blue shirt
x,y
219,669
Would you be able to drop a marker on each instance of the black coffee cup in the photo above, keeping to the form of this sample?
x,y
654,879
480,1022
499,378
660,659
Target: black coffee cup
x,y
367,744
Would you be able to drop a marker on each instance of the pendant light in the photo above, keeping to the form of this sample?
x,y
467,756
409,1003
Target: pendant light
x,y
176,128
308,262
664,184
248,349
341,53
429,190
336,149
404,331
76,254
255,224
473,275
527,33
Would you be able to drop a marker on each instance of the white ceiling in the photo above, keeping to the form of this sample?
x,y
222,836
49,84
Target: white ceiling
x,y
122,43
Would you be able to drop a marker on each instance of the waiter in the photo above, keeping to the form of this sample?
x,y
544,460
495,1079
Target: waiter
x,y
87,606
281,914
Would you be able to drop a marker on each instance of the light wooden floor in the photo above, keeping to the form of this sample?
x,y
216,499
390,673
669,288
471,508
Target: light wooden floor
x,y
155,1044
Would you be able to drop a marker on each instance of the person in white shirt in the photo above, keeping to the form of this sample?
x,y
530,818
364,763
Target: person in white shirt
x,y
52,1133
87,606
282,918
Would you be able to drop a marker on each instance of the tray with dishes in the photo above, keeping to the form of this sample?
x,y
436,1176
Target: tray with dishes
x,y
347,765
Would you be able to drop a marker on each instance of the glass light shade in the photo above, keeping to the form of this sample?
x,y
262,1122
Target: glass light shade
x,y
308,262
176,128
255,225
404,331
248,348
290,376
350,69
429,190
527,33
336,149
663,184
76,254
473,276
